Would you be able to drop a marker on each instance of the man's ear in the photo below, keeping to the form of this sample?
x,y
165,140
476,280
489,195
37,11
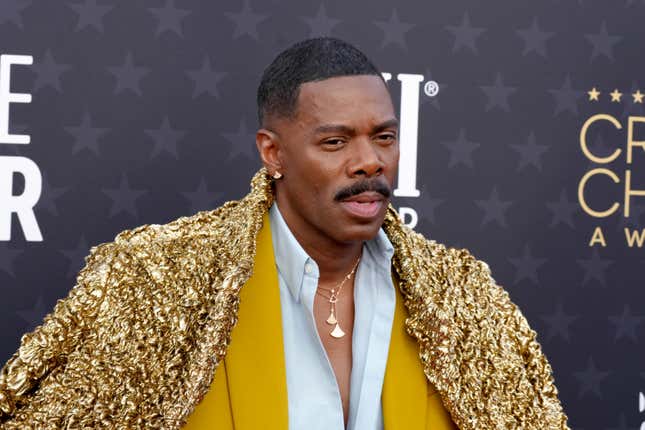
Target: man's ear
x,y
268,145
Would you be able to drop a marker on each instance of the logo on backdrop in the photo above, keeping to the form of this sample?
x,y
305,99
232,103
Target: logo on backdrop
x,y
641,407
10,166
618,169
409,139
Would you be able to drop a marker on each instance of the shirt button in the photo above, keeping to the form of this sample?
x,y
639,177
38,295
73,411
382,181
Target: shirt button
x,y
308,268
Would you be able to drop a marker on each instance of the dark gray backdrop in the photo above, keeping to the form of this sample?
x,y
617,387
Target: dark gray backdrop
x,y
144,111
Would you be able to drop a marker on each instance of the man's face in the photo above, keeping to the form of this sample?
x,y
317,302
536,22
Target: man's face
x,y
339,157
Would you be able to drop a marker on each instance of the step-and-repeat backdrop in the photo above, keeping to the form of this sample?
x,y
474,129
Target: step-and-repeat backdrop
x,y
523,140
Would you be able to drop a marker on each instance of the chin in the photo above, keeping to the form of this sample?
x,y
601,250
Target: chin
x,y
344,228
362,233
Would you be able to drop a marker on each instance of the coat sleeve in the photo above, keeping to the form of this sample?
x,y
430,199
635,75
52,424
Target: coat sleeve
x,y
46,349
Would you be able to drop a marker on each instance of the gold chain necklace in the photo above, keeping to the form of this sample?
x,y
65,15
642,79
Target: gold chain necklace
x,y
337,332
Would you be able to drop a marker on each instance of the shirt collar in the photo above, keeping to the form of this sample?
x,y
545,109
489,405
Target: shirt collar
x,y
290,257
292,260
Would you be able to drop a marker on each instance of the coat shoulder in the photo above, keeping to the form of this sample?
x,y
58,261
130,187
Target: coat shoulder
x,y
456,269
185,243
477,346
185,230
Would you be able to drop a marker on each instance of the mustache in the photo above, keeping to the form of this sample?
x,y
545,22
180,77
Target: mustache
x,y
362,186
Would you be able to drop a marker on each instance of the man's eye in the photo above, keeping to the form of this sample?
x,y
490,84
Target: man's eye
x,y
333,142
386,137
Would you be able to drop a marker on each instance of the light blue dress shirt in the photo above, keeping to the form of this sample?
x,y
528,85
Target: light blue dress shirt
x,y
313,394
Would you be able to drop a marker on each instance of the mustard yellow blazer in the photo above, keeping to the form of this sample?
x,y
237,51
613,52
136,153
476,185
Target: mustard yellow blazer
x,y
249,391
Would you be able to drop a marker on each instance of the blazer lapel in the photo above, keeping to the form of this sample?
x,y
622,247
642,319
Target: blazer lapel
x,y
255,358
405,387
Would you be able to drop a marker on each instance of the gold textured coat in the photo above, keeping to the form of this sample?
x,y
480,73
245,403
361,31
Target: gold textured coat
x,y
138,340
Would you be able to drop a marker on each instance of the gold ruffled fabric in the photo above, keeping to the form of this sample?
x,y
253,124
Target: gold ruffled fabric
x,y
136,343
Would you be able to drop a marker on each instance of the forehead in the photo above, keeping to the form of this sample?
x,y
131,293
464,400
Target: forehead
x,y
344,98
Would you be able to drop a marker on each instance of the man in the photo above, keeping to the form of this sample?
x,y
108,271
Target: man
x,y
305,305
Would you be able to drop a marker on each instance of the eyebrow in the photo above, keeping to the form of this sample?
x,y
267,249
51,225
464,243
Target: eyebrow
x,y
339,128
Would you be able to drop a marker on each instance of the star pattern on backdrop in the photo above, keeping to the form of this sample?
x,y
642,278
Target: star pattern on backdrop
x,y
602,43
526,266
498,94
594,94
246,21
562,210
11,11
394,31
461,150
90,14
206,79
636,108
616,95
76,257
8,258
321,24
566,98
86,136
165,138
49,195
34,315
48,72
534,39
595,268
465,34
242,142
494,209
590,379
530,153
430,204
558,324
626,324
202,199
124,198
169,18
128,76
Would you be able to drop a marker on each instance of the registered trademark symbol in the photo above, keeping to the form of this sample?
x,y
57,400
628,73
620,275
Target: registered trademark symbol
x,y
431,88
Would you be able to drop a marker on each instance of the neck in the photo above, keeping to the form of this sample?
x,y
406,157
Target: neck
x,y
334,259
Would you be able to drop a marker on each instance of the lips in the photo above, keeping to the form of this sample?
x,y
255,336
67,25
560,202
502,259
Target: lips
x,y
365,205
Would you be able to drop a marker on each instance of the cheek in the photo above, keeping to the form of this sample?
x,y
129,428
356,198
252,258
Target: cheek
x,y
394,153
391,159
307,187
319,176
316,175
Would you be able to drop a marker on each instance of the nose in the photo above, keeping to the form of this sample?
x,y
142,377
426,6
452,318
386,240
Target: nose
x,y
366,159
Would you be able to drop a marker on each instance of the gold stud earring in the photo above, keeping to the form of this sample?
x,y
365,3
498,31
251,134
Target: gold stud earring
x,y
277,175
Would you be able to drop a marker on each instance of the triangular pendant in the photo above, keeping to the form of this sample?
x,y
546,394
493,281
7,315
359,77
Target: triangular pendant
x,y
332,318
337,332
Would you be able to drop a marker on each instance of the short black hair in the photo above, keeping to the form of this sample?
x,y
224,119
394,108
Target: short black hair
x,y
309,60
